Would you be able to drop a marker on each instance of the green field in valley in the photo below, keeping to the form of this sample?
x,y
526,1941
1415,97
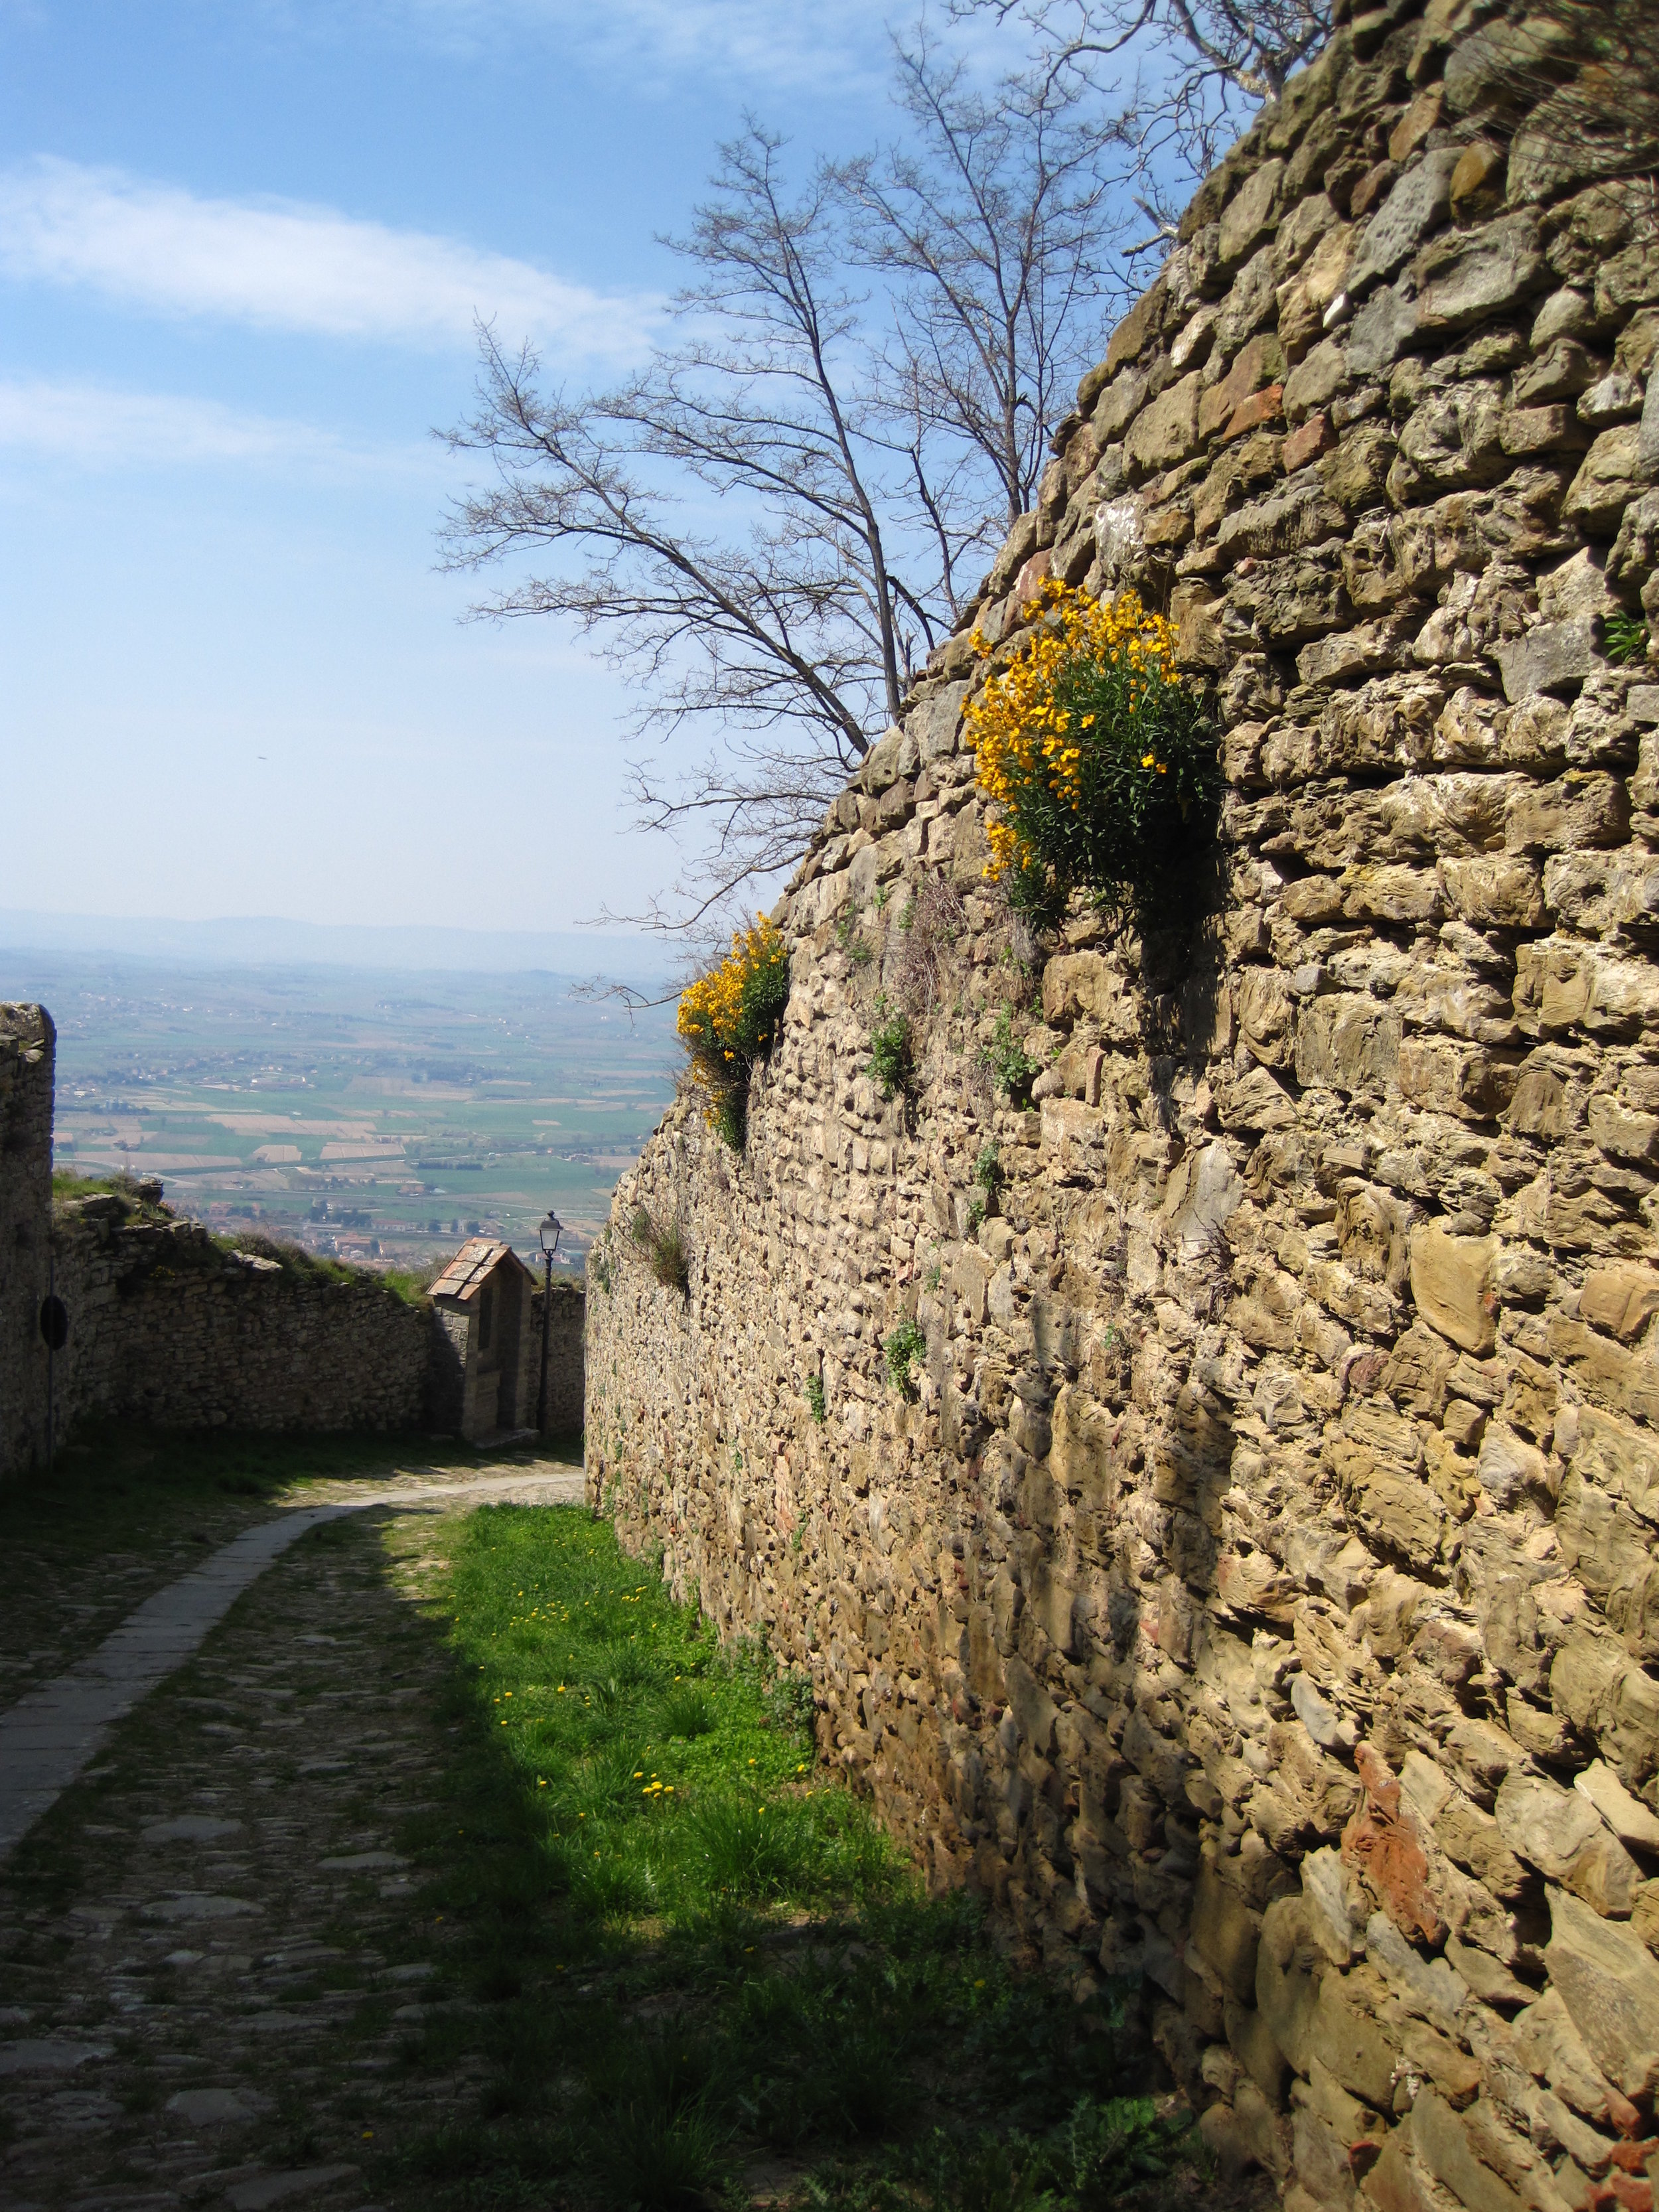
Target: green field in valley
x,y
371,1114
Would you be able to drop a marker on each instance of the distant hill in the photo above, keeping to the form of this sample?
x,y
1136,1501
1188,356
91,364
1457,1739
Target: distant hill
x,y
261,941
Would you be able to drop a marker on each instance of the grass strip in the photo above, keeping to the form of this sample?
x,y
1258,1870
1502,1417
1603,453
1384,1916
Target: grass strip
x,y
699,1973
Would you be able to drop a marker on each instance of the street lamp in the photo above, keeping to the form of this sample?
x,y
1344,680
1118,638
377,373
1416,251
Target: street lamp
x,y
550,1233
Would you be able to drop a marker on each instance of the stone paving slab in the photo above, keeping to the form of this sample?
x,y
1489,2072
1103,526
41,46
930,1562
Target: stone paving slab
x,y
53,1734
160,2046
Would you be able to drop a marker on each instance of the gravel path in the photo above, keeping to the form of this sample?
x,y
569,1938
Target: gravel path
x,y
214,1964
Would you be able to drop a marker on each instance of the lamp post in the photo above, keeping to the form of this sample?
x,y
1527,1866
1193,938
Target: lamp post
x,y
549,1232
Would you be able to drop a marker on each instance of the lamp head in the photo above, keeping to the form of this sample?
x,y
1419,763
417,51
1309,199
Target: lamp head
x,y
551,1230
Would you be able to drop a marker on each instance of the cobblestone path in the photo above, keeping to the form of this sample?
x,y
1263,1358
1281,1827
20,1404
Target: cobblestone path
x,y
214,1955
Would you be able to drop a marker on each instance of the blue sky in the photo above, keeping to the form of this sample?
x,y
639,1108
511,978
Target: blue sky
x,y
241,245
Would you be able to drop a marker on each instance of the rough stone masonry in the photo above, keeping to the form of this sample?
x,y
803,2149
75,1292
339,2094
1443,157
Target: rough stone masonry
x,y
1257,1595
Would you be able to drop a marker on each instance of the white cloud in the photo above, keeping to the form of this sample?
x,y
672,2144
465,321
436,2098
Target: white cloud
x,y
92,426
282,265
840,46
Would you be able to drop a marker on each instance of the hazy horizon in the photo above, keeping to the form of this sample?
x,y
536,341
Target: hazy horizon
x,y
281,941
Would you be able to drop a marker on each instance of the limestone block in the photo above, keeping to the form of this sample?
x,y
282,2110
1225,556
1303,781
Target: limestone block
x,y
1227,1932
1500,891
1451,1279
1204,1191
1166,431
1611,1550
1627,1816
1552,657
1289,518
1356,473
1118,405
1524,431
1392,894
970,1276
1620,1299
1596,1686
1303,299
1079,984
984,1661
1315,380
1417,201
1467,276
1266,1014
1329,1728
1548,2042
935,723
893,755
1288,1971
1609,1983
1428,1987
1565,1838
1248,216
1617,1457
1446,1077
1583,809
1605,1372
1034,1710
1603,891
1251,301
1441,2138
1353,2047
1607,482
1456,437
1508,1466
1385,1495
1262,362
1564,985
1347,1042
1473,1838
1137,330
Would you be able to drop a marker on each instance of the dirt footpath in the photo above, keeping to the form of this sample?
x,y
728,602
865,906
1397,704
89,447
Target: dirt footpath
x,y
214,1962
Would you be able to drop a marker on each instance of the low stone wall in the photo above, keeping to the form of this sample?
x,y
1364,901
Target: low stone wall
x,y
1254,1594
169,1328
566,1356
28,1047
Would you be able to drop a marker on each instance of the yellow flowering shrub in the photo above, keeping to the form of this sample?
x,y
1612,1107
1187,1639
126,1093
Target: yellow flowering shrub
x,y
1099,761
728,1018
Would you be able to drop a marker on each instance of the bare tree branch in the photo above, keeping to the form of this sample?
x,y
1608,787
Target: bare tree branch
x,y
992,223
766,527
1179,78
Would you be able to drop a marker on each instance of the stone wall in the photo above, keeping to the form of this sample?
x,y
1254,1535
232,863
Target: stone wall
x,y
1254,1595
169,1328
566,1387
27,1045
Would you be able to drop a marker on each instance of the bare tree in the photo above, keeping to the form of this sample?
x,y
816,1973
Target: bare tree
x,y
992,224
765,528
1178,79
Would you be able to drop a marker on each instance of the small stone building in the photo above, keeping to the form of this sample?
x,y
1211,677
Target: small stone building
x,y
484,1373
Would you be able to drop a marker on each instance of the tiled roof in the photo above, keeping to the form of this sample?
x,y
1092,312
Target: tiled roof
x,y
478,1258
